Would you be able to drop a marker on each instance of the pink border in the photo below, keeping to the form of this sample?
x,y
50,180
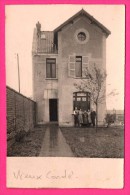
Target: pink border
x,y
3,189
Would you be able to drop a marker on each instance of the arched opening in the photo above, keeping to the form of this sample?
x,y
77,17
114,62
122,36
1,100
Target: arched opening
x,y
81,100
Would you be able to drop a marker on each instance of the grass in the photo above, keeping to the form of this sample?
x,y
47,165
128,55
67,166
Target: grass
x,y
86,142
30,145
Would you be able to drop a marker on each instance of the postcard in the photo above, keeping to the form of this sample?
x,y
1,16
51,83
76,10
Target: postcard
x,y
65,93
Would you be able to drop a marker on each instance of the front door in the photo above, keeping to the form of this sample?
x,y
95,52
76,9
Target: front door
x,y
53,110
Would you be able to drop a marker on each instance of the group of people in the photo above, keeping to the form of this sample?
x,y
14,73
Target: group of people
x,y
84,117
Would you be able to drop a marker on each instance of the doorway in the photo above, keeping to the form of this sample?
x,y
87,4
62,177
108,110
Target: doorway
x,y
53,111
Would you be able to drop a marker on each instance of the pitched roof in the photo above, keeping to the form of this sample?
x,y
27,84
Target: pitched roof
x,y
46,45
91,18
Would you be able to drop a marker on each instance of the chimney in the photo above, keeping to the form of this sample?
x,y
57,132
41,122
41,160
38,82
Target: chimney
x,y
38,26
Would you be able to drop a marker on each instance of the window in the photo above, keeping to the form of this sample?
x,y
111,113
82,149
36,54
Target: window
x,y
78,66
43,36
50,68
84,99
81,100
78,99
81,36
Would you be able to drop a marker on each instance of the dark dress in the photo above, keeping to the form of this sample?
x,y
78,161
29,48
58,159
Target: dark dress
x,y
80,117
85,118
93,117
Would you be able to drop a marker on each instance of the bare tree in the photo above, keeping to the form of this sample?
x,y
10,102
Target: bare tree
x,y
95,83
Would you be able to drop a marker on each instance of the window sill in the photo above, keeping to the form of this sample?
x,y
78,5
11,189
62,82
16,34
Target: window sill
x,y
80,77
51,78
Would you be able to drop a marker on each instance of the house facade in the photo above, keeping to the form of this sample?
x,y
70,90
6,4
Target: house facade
x,y
59,59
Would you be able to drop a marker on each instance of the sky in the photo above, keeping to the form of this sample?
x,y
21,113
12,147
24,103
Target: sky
x,y
21,21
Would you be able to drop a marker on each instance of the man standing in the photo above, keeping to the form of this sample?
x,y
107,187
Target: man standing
x,y
93,117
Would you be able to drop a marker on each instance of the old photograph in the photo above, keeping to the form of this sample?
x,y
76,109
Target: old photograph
x,y
65,69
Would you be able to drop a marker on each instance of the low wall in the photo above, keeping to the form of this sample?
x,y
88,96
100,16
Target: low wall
x,y
21,113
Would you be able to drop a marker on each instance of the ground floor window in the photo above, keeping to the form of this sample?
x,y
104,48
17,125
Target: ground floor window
x,y
81,100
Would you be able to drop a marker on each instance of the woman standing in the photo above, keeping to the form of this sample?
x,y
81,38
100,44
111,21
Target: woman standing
x,y
85,118
89,118
80,117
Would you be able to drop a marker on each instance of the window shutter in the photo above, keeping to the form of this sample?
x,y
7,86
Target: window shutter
x,y
85,65
71,66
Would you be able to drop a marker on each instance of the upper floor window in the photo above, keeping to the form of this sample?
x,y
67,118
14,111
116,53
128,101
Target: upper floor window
x,y
78,66
50,68
81,36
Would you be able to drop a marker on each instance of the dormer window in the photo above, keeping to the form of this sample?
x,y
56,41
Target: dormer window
x,y
43,36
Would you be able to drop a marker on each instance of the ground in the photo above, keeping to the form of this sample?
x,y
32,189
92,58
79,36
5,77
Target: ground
x,y
30,145
86,142
83,142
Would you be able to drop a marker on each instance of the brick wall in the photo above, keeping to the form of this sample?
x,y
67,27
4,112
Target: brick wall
x,y
20,113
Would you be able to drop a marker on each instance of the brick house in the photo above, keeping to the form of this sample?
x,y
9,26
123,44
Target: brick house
x,y
59,59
